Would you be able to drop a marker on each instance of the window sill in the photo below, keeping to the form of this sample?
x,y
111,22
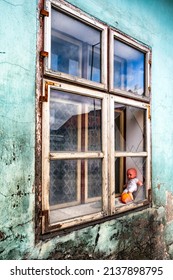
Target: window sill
x,y
54,230
72,212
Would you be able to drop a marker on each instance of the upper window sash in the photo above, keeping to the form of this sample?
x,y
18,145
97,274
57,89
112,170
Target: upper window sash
x,y
129,67
88,63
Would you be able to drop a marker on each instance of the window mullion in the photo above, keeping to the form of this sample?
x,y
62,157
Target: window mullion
x,y
105,166
111,148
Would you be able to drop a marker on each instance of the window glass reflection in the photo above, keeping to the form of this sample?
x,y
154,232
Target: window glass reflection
x,y
130,128
75,47
129,69
75,122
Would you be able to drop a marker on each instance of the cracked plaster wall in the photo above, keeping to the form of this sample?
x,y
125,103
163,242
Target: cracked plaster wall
x,y
17,126
142,235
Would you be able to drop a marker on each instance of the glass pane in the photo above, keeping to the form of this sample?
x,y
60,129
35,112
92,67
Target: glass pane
x,y
129,67
94,126
122,164
130,128
94,178
75,188
75,122
75,47
63,181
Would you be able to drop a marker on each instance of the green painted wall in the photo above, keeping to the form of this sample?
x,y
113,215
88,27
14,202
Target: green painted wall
x,y
17,126
150,22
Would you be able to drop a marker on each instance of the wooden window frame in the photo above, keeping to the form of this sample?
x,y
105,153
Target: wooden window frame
x,y
107,155
69,9
147,76
47,155
109,95
113,153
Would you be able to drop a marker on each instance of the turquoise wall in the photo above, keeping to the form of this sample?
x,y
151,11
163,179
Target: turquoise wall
x,y
148,21
17,125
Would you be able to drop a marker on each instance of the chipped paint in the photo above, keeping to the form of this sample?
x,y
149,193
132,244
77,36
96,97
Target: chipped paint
x,y
169,207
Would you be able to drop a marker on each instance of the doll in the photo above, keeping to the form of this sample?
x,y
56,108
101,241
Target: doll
x,y
131,186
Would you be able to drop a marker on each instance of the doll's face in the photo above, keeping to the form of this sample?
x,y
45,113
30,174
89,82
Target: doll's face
x,y
131,173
